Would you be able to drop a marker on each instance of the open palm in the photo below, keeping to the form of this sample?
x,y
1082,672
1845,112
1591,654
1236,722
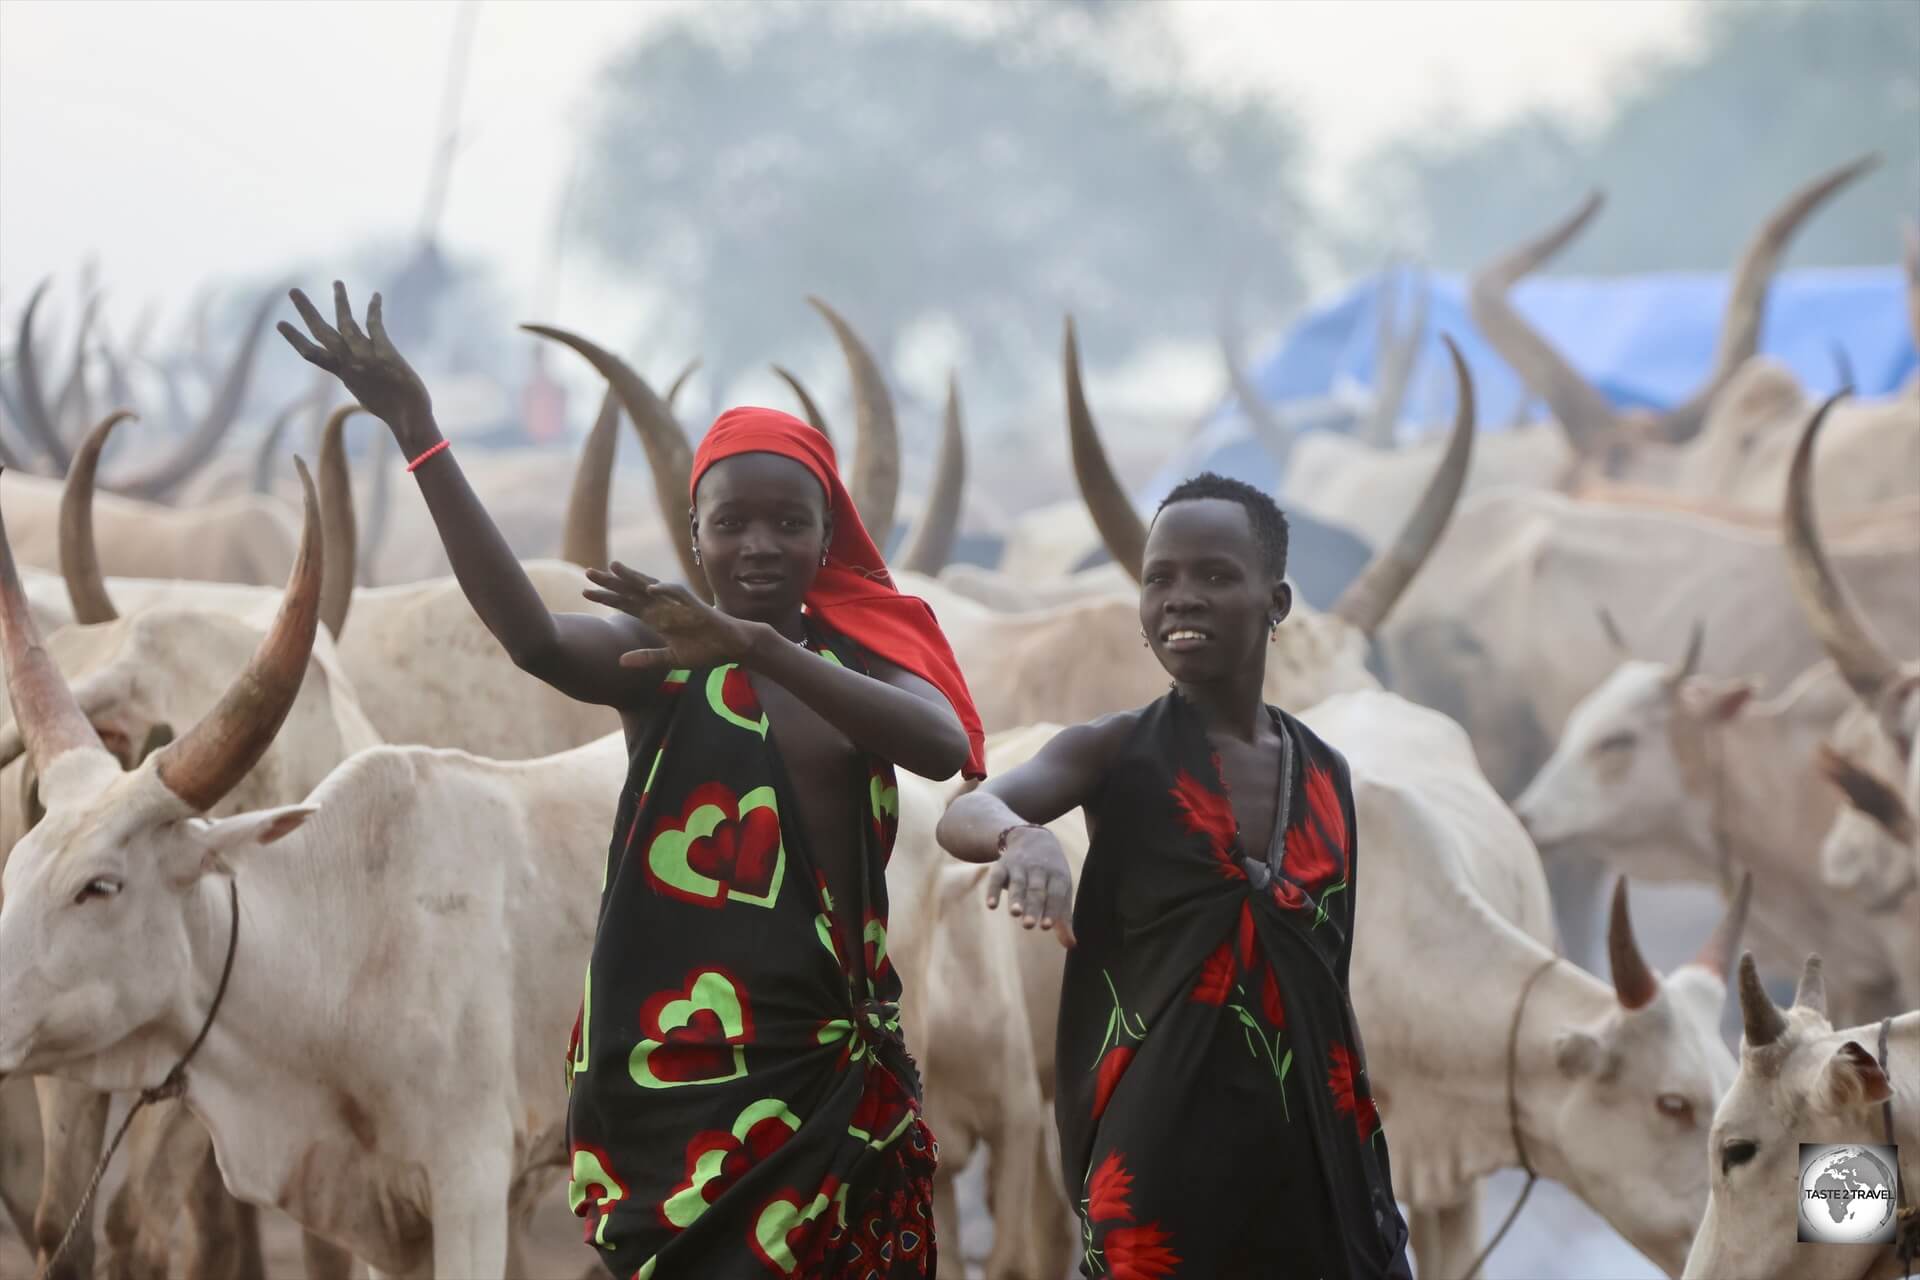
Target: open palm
x,y
367,364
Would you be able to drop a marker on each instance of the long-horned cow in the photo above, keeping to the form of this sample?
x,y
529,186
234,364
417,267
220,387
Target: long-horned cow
x,y
348,1038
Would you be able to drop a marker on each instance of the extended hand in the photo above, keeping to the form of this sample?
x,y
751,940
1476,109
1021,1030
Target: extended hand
x,y
697,634
1038,882
366,363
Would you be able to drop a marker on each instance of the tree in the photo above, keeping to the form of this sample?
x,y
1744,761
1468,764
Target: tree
x,y
907,168
1700,147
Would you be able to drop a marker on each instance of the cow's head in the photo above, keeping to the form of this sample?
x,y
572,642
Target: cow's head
x,y
1873,848
1641,1083
109,921
1799,1081
1633,777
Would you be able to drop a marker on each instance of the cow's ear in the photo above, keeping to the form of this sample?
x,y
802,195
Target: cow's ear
x,y
1851,1078
1577,1053
1718,701
216,842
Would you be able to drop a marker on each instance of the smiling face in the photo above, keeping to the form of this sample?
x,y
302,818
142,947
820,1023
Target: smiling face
x,y
760,524
1207,600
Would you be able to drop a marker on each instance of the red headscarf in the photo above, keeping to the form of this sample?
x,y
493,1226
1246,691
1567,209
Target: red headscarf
x,y
853,593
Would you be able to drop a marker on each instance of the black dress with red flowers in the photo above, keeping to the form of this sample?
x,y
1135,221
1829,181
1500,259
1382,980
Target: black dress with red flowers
x,y
736,1107
1214,1114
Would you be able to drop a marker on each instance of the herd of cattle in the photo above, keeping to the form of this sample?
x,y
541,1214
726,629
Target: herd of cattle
x,y
1680,646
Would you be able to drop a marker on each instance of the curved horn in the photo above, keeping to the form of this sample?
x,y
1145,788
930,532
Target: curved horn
x,y
1632,979
1615,636
214,424
207,762
1911,256
79,556
337,525
584,541
1831,610
815,418
673,388
875,483
1690,660
1842,367
931,543
1761,1020
1811,993
1583,413
34,415
1368,598
47,715
1747,301
1717,952
1119,524
666,444
1272,434
1395,356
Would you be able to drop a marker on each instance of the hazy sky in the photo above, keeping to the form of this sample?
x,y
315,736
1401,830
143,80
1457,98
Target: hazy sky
x,y
180,141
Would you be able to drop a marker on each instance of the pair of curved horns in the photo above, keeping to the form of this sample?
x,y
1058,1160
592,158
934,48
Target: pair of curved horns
x,y
1762,1021
1584,414
1634,980
206,763
1368,599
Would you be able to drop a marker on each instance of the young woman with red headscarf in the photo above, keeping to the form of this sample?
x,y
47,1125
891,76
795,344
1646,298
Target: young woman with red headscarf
x,y
741,1102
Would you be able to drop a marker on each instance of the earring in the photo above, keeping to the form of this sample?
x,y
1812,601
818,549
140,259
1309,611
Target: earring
x,y
1143,640
823,559
696,553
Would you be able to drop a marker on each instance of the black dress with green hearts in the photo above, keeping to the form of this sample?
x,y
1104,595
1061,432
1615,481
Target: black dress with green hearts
x,y
737,1107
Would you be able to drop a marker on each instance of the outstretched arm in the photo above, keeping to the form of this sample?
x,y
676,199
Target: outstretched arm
x,y
891,713
576,653
1033,871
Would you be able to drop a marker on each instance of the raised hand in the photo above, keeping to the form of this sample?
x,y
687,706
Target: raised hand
x,y
1034,875
697,634
366,363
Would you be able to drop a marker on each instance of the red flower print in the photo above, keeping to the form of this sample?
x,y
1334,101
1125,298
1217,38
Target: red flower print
x,y
1107,1191
1271,1005
1316,848
1346,1098
1287,894
1139,1253
1247,940
1206,812
1112,1066
1215,982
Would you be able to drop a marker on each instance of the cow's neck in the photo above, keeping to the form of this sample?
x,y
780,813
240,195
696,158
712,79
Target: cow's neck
x,y
1472,1132
1759,802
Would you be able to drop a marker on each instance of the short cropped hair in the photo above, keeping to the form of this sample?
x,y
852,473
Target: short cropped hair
x,y
1268,522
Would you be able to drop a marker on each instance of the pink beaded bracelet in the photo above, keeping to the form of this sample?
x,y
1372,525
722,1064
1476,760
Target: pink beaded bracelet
x,y
429,452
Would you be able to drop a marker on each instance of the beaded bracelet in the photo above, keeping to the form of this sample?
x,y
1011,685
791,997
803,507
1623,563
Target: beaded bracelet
x,y
429,452
1002,845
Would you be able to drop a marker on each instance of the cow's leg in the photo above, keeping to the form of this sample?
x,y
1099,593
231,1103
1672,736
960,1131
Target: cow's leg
x,y
1445,1238
470,1195
1016,1192
20,1156
164,1149
325,1259
73,1128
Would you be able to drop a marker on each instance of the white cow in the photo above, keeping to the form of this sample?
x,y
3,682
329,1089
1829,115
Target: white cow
x,y
1801,1080
386,1076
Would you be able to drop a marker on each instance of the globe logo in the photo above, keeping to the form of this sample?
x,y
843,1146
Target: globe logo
x,y
1847,1193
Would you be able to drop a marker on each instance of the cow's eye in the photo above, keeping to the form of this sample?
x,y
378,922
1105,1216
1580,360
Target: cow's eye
x,y
1675,1106
1622,740
99,887
1736,1151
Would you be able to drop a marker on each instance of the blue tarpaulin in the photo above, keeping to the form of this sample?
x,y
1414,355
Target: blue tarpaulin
x,y
1643,341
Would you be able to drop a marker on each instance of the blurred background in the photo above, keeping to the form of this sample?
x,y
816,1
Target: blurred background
x,y
673,179
954,177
